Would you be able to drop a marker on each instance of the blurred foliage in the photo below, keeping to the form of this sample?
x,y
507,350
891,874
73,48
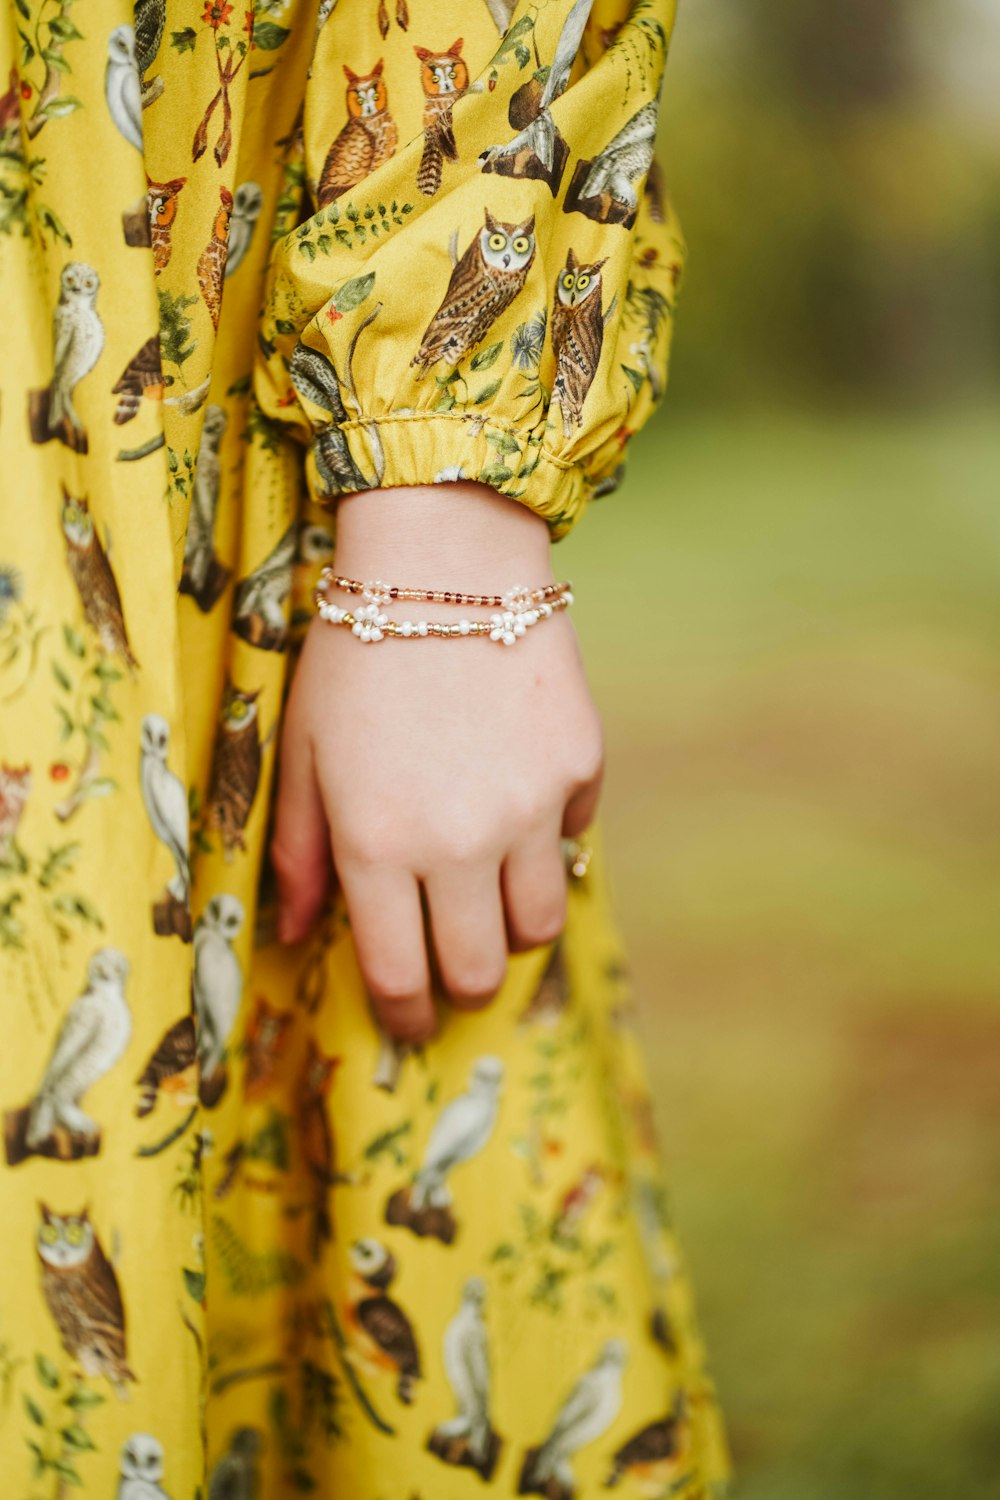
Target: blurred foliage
x,y
803,805
803,826
841,202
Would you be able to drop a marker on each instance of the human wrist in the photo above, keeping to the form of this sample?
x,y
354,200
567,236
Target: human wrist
x,y
459,535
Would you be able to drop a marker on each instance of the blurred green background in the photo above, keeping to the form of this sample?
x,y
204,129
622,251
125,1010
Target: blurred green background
x,y
803,806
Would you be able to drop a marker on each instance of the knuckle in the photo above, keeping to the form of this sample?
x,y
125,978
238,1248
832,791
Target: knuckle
x,y
586,763
476,984
393,991
541,925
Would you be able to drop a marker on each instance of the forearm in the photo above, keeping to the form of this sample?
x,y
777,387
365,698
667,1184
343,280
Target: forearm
x,y
443,536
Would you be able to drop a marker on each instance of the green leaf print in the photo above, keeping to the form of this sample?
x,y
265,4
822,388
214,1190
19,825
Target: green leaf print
x,y
486,357
268,35
353,292
175,327
58,1436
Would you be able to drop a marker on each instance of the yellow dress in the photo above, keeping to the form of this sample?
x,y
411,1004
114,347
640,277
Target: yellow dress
x,y
253,257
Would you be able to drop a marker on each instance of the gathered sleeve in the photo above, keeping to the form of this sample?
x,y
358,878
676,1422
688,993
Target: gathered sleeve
x,y
484,286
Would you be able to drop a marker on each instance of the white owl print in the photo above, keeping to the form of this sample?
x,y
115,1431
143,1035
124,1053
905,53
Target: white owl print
x,y
92,1038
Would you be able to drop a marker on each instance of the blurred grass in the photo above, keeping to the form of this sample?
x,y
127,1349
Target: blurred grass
x,y
791,624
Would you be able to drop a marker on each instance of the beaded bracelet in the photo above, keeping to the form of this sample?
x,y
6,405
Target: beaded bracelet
x,y
515,611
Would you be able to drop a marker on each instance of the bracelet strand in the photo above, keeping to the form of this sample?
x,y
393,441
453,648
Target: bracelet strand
x,y
515,611
377,592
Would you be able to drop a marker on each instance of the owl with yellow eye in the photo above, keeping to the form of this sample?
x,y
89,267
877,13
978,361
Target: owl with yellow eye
x,y
161,206
577,336
82,1294
483,284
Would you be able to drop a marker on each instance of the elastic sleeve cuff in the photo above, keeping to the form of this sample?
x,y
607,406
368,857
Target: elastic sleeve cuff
x,y
415,448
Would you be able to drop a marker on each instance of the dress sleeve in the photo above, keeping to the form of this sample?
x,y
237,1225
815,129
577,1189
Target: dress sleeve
x,y
485,286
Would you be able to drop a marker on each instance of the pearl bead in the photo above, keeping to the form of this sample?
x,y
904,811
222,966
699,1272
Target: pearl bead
x,y
407,627
464,626
421,627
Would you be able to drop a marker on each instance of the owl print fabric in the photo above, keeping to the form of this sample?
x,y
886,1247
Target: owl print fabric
x,y
257,256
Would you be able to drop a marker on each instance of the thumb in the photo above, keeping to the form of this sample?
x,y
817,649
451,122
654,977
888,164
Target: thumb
x,y
300,844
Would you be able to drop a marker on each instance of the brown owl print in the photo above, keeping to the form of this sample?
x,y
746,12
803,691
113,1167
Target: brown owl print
x,y
81,1292
483,284
161,211
382,1330
212,261
577,336
316,1139
15,789
658,1454
444,78
142,376
367,140
172,1067
264,1045
235,768
91,571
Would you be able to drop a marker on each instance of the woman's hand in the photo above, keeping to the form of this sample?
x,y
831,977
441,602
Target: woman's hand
x,y
451,767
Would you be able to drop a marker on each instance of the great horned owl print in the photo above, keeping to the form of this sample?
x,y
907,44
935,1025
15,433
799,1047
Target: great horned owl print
x,y
90,568
161,206
235,768
150,19
577,336
77,343
212,261
445,78
483,285
81,1291
367,140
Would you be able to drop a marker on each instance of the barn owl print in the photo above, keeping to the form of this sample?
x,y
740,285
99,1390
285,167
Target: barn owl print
x,y
92,1038
577,336
161,205
82,1294
235,768
91,571
212,261
483,285
141,1469
367,140
77,344
444,78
